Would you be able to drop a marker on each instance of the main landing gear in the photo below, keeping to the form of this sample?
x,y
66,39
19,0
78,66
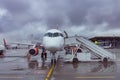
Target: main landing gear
x,y
53,58
75,60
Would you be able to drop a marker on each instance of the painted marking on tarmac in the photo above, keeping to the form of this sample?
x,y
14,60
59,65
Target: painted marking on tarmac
x,y
97,77
40,72
50,72
11,77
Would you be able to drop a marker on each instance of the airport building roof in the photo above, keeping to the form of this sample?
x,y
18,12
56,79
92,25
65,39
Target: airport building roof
x,y
105,38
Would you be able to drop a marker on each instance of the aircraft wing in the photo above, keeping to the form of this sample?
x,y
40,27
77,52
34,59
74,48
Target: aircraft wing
x,y
29,45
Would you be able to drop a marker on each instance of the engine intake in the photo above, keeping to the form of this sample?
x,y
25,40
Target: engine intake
x,y
33,51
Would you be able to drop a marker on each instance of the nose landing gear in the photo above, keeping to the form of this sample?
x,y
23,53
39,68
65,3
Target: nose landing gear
x,y
53,60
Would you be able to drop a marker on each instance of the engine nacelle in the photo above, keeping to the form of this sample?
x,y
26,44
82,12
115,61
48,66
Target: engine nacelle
x,y
33,51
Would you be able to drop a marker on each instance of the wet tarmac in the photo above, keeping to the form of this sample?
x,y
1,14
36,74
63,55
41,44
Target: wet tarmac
x,y
88,70
15,66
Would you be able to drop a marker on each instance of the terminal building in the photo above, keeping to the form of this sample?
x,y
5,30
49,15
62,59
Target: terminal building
x,y
107,41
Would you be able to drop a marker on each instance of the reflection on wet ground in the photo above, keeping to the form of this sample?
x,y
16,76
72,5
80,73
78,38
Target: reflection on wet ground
x,y
88,70
87,67
17,67
69,71
94,67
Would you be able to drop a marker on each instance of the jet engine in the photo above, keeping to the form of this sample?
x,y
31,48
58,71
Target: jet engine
x,y
33,51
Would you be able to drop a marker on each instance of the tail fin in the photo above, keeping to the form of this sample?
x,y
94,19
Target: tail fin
x,y
4,42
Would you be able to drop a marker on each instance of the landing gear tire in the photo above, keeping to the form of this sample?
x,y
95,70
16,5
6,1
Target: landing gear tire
x,y
105,60
75,60
53,61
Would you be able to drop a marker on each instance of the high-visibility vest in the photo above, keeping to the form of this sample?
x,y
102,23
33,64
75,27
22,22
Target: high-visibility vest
x,y
96,42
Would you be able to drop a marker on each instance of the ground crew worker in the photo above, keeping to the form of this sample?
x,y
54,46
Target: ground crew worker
x,y
28,56
96,42
44,54
74,49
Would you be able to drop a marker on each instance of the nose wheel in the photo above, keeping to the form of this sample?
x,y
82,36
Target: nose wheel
x,y
53,59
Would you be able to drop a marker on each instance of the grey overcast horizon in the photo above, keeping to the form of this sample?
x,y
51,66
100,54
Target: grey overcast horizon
x,y
20,19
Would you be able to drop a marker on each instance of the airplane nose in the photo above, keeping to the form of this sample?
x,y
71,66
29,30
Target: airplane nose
x,y
53,43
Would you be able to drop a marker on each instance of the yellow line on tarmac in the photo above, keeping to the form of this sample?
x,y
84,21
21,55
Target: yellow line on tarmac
x,y
97,77
50,72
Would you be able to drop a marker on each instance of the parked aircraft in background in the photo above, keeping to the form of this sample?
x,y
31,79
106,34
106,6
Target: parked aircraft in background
x,y
9,46
16,45
2,50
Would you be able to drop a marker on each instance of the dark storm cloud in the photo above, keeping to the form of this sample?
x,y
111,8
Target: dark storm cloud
x,y
83,12
77,11
15,6
94,12
17,15
90,13
53,21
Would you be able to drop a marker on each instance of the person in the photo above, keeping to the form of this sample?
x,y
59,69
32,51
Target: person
x,y
43,54
96,42
28,56
68,51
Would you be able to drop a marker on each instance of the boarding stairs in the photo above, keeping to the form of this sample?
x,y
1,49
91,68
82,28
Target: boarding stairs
x,y
97,50
69,57
78,54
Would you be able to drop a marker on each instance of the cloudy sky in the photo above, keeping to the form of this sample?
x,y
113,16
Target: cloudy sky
x,y
21,19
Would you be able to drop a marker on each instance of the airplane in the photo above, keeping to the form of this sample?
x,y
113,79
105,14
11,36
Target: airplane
x,y
53,41
16,45
9,46
2,50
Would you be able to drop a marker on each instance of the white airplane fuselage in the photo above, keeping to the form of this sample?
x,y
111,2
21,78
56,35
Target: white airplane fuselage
x,y
53,40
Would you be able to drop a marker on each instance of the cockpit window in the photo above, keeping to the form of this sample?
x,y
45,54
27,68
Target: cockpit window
x,y
61,34
48,34
53,34
57,34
